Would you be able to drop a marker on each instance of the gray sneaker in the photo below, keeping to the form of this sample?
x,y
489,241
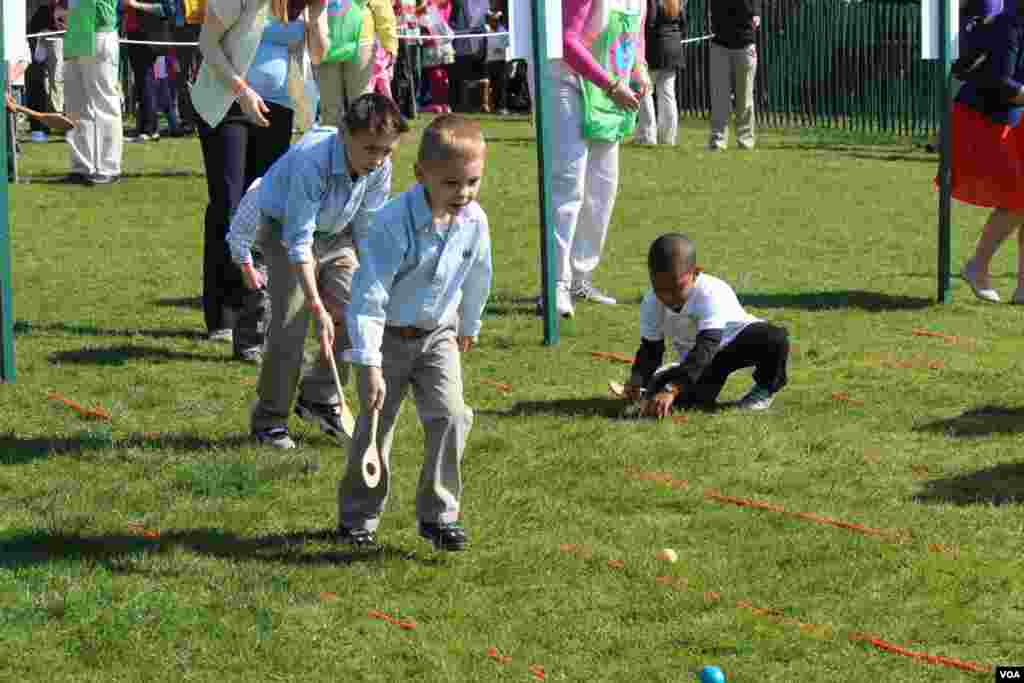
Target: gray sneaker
x,y
758,398
252,355
563,302
275,437
588,292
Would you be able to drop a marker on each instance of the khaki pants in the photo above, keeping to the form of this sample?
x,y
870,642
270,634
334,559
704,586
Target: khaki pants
x,y
336,262
55,73
92,96
732,72
343,82
663,128
432,367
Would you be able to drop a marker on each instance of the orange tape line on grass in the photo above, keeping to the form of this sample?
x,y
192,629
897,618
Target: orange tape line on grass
x,y
952,339
90,413
950,662
384,616
616,357
809,516
500,386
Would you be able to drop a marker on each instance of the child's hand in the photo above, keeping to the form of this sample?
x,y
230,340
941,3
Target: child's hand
x,y
660,406
634,392
253,278
465,344
373,388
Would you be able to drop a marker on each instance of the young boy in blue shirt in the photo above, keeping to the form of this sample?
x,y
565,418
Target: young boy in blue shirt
x,y
314,200
416,304
711,331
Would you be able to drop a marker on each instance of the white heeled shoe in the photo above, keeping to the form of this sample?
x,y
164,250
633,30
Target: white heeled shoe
x,y
970,275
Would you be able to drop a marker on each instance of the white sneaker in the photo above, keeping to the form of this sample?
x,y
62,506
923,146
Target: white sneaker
x,y
223,336
563,302
970,275
588,292
758,398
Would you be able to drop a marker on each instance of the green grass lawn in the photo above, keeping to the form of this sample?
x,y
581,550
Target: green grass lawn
x,y
163,545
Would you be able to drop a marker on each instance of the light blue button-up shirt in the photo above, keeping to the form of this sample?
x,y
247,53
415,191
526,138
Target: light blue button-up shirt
x,y
412,274
310,190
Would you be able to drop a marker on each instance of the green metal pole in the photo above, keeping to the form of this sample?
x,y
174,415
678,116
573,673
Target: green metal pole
x,y
6,311
945,254
542,113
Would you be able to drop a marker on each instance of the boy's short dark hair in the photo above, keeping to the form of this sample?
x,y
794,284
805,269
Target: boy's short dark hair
x,y
375,114
451,136
673,252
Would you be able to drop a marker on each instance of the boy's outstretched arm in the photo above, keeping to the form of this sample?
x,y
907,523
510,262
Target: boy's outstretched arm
x,y
693,366
648,359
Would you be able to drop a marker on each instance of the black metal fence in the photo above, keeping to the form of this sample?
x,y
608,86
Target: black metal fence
x,y
851,65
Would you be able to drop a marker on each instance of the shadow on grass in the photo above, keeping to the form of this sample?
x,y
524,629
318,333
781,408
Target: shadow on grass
x,y
123,353
15,450
181,302
814,301
29,327
40,547
570,407
983,421
999,485
60,178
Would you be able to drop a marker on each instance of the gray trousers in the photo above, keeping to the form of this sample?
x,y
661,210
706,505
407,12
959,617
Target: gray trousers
x,y
336,262
732,72
431,366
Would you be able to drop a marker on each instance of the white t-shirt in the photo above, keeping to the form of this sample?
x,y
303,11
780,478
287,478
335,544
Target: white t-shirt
x,y
712,305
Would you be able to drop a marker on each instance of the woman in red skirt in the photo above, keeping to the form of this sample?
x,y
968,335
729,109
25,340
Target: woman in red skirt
x,y
988,148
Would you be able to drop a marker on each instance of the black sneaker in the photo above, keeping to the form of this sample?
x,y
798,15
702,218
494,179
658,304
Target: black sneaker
x,y
326,415
360,539
450,537
101,179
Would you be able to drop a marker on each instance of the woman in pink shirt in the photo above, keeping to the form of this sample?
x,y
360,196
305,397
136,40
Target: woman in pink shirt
x,y
598,83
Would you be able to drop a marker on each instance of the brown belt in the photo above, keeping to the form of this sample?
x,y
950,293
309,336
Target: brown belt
x,y
408,332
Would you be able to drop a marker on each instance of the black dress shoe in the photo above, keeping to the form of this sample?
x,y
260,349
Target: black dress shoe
x,y
450,537
101,179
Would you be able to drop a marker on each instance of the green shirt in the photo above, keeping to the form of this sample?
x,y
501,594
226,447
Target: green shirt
x,y
106,15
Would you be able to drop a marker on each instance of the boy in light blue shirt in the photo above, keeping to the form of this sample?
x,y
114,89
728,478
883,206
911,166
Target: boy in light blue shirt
x,y
313,201
417,298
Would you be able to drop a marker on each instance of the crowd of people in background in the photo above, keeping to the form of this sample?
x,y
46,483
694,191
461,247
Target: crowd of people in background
x,y
434,74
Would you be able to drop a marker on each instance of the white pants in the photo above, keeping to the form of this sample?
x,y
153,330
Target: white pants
x,y
92,96
732,75
665,129
584,183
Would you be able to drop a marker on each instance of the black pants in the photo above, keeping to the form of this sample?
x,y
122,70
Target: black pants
x,y
763,346
36,96
497,72
406,84
235,153
141,58
187,58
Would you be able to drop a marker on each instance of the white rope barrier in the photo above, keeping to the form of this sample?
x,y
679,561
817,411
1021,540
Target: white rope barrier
x,y
697,40
46,34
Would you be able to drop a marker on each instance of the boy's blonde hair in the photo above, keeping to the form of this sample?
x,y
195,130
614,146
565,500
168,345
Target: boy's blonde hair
x,y
450,137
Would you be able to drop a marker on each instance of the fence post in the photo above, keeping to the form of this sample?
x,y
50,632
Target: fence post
x,y
7,374
947,19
